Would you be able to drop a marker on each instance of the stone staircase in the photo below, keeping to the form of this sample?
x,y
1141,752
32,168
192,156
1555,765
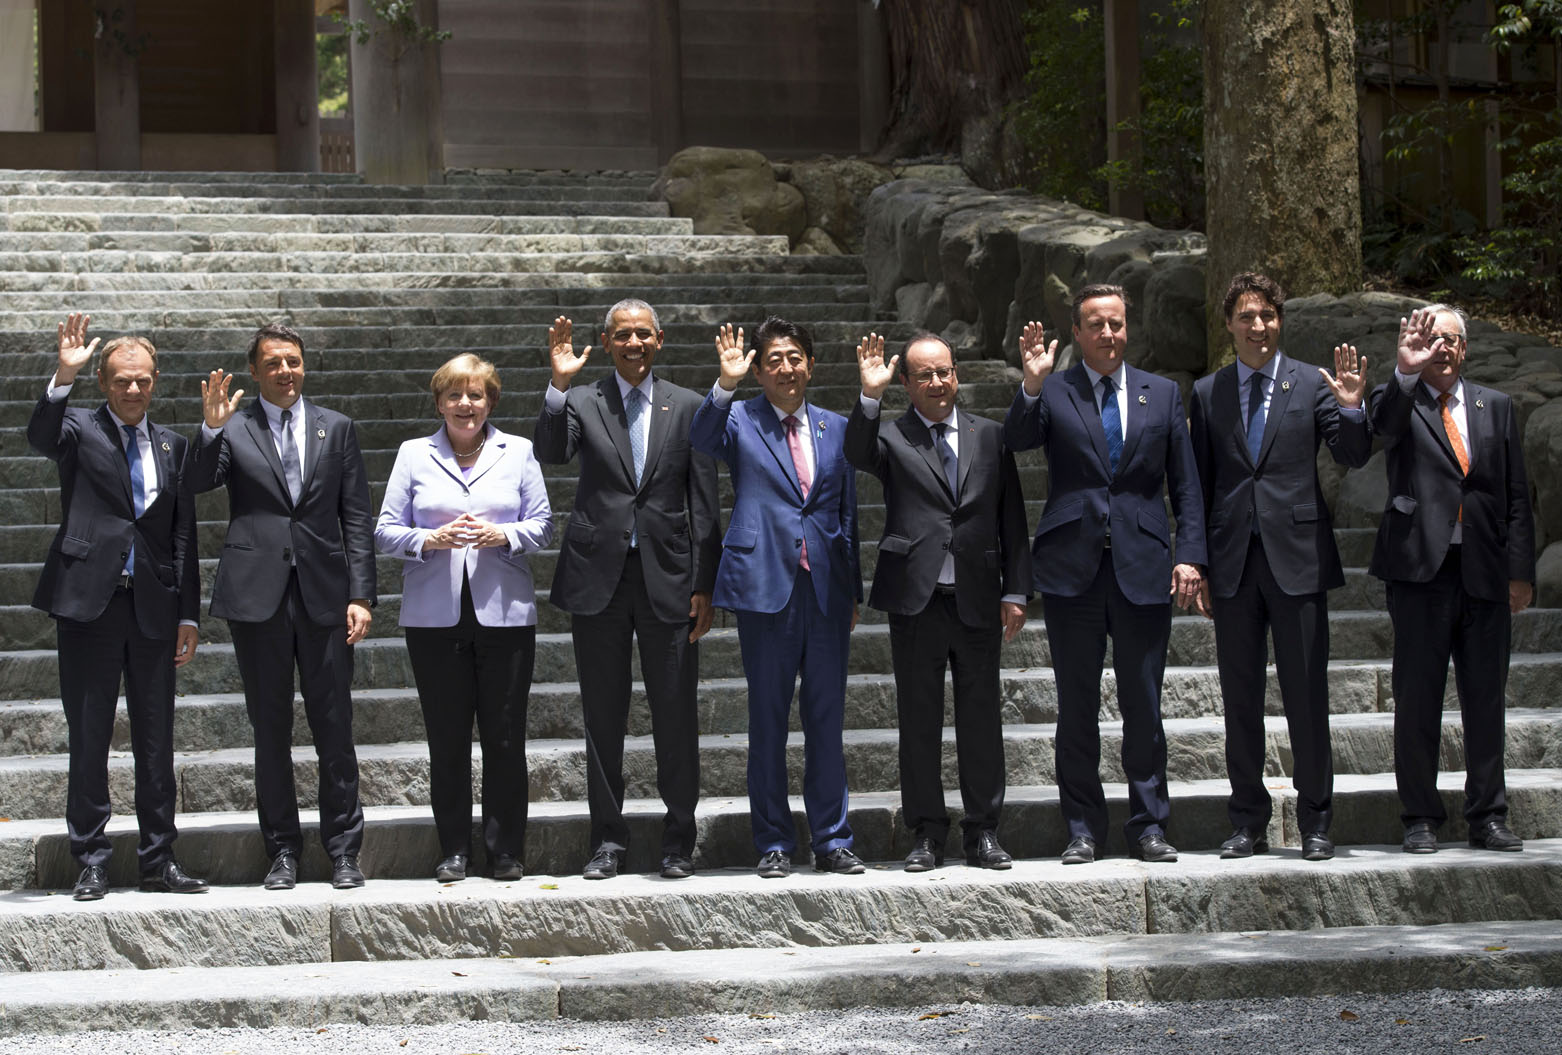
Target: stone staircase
x,y
388,282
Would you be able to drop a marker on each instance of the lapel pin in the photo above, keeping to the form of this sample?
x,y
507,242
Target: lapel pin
x,y
1480,404
1285,386
1143,402
320,433
166,447
666,408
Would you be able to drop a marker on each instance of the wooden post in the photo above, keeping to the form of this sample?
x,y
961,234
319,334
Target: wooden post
x,y
298,103
873,77
666,26
116,71
398,130
1122,99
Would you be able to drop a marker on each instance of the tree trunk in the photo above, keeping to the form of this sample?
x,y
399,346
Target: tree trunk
x,y
1280,149
398,136
955,66
117,86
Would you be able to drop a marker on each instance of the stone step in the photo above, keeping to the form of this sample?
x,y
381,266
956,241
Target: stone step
x,y
395,774
463,176
20,211
1025,972
39,230
33,196
417,920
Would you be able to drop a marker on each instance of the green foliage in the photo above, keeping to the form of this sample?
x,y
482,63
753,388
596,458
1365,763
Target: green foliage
x,y
1059,119
400,19
331,67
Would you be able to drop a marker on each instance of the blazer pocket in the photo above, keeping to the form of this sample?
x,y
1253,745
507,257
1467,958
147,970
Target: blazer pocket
x,y
895,544
580,533
1152,524
75,547
1054,516
1403,504
740,536
1305,513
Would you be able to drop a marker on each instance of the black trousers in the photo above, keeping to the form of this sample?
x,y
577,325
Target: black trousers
x,y
1433,622
670,667
921,647
1300,625
1077,629
92,656
267,653
472,671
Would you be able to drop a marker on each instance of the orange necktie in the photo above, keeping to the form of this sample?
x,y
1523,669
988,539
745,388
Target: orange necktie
x,y
1454,439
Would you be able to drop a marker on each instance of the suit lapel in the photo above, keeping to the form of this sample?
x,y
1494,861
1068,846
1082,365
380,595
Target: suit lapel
x,y
121,464
163,454
1279,397
920,439
1090,415
1138,389
493,451
1477,422
1227,408
260,433
610,405
443,456
314,439
773,435
1431,414
661,411
966,456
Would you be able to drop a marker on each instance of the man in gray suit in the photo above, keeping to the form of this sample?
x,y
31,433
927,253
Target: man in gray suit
x,y
643,536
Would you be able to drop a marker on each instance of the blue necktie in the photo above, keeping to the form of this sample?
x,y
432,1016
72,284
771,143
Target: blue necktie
x,y
1111,422
290,469
636,412
1255,416
947,454
137,489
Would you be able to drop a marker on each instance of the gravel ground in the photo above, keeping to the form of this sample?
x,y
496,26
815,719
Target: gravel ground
x,y
1521,1020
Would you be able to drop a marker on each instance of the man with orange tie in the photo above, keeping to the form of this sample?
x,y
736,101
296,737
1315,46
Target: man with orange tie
x,y
1456,548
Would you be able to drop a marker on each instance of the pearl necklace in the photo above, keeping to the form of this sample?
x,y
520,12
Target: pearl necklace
x,y
467,454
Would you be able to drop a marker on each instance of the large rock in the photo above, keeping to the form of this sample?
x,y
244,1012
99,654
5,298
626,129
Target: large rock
x,y
1543,462
1548,575
835,196
1174,318
730,192
1362,495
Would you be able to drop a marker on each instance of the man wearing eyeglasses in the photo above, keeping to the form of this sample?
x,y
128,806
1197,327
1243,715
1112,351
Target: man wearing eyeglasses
x,y
1456,549
954,575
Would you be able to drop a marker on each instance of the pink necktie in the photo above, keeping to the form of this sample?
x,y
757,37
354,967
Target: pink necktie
x,y
794,444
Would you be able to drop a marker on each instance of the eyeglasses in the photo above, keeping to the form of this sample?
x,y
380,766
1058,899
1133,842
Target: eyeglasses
x,y
1454,339
927,377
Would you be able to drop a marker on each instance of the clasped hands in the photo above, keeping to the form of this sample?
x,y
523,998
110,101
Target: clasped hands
x,y
466,530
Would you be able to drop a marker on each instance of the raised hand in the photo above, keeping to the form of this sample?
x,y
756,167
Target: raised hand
x,y
734,361
876,373
74,350
1036,357
216,405
1416,344
1349,383
561,353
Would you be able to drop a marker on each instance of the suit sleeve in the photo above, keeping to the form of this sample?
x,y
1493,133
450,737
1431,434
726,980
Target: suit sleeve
x,y
849,529
1013,531
534,529
1349,439
356,510
1521,515
704,499
557,436
1203,452
1025,426
1389,411
186,547
1182,484
862,441
209,461
48,430
395,534
708,430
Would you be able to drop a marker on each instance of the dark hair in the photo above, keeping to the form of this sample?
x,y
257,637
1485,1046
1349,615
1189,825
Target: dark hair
x,y
1253,282
1094,290
918,338
776,328
274,331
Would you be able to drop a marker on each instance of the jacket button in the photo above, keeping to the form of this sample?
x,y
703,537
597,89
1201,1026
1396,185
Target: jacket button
x,y
946,545
798,543
124,556
627,534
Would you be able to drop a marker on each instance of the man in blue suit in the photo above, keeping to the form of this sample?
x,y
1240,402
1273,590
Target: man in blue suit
x,y
1117,444
790,570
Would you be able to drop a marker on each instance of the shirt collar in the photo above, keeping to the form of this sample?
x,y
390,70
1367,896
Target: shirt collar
x,y
931,424
801,412
1118,376
274,412
120,423
1270,370
624,387
1455,394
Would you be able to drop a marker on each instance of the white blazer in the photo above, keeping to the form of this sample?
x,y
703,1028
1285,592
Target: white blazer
x,y
427,490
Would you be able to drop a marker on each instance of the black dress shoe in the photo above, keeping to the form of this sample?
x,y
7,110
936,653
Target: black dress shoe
x,y
988,854
1244,842
92,884
345,873
1494,835
451,870
1317,846
774,864
1081,850
1420,838
925,856
284,871
1154,848
677,866
171,879
603,865
840,860
507,868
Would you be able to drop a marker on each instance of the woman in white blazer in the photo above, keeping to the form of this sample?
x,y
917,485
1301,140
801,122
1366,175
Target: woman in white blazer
x,y
463,508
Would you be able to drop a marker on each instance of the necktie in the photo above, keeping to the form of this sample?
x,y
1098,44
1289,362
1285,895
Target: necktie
x,y
1255,416
1111,422
794,443
947,453
635,410
290,469
1455,440
137,488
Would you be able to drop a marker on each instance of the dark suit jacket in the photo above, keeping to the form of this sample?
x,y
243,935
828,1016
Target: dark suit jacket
x,y
675,508
330,534
98,522
770,517
984,524
1293,519
1085,499
1426,489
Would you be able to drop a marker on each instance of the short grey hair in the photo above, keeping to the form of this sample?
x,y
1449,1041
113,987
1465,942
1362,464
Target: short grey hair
x,y
1448,309
630,304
